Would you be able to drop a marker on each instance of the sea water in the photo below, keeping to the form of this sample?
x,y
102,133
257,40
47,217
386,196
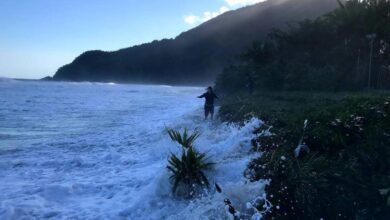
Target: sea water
x,y
99,151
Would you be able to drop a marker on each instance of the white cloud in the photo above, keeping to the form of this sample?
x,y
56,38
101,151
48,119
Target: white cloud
x,y
191,19
207,15
235,3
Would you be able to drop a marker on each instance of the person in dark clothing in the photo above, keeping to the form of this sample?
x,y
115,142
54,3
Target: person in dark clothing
x,y
209,103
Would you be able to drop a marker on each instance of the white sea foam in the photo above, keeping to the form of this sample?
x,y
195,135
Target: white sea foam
x,y
93,152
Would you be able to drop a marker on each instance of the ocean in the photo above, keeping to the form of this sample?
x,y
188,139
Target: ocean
x,y
99,151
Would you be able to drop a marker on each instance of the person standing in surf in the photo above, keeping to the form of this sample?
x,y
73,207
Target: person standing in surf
x,y
209,102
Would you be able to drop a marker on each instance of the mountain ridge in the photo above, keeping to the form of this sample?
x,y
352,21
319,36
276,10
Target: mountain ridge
x,y
197,55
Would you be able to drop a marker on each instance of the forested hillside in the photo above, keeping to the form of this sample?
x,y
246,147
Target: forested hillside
x,y
196,56
346,49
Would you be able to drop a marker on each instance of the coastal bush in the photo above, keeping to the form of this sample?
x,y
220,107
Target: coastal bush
x,y
335,52
188,170
186,140
344,174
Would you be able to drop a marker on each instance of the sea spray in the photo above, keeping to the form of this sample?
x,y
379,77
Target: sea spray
x,y
229,146
91,151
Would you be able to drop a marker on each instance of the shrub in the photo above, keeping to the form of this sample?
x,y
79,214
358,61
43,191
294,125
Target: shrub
x,y
346,174
188,169
185,140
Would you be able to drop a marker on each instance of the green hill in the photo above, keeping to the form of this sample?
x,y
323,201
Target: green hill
x,y
198,55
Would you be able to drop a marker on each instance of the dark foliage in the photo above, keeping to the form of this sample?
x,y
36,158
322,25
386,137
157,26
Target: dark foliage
x,y
330,53
346,173
188,169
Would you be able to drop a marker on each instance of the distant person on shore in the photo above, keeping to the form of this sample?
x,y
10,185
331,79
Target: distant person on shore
x,y
209,103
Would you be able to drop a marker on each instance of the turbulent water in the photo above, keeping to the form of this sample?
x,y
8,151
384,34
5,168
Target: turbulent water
x,y
99,151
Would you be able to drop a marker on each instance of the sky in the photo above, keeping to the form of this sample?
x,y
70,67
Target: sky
x,y
39,36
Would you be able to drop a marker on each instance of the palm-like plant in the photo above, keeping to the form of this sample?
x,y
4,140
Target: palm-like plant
x,y
186,140
188,169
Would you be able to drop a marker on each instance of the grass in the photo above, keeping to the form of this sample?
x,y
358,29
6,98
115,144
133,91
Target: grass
x,y
344,173
272,106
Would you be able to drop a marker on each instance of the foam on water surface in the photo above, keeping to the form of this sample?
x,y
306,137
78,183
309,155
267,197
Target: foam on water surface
x,y
99,151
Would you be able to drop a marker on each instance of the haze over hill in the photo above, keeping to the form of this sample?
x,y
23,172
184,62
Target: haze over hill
x,y
195,56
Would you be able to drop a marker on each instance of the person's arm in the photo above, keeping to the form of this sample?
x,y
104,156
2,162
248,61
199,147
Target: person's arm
x,y
215,96
202,96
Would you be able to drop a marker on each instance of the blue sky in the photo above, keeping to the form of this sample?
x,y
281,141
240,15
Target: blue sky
x,y
39,36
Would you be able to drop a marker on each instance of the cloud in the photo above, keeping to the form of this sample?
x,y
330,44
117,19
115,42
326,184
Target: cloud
x,y
207,15
191,19
235,3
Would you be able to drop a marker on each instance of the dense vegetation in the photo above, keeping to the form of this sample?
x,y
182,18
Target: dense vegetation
x,y
326,153
337,51
187,170
196,56
337,167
